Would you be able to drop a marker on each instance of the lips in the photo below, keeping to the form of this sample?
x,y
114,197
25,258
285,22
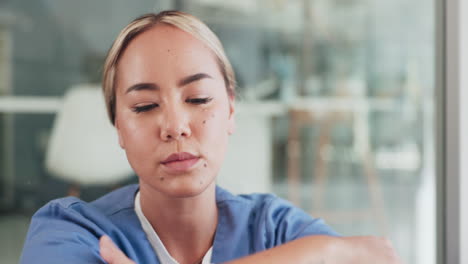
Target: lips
x,y
181,156
180,162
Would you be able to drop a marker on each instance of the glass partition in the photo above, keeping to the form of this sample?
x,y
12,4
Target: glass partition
x,y
335,105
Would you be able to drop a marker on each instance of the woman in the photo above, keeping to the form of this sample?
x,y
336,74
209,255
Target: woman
x,y
169,90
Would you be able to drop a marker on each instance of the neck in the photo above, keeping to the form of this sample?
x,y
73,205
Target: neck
x,y
177,219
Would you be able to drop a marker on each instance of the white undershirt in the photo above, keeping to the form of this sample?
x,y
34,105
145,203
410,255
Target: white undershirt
x,y
156,243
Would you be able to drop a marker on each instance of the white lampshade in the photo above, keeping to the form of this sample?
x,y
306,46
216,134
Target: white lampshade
x,y
83,147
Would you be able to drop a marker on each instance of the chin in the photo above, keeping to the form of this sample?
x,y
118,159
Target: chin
x,y
188,189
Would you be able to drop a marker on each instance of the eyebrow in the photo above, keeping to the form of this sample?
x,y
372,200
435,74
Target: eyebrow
x,y
154,87
142,86
193,78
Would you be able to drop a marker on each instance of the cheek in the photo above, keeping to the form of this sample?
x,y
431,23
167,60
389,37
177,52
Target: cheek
x,y
138,148
212,124
134,135
213,143
214,136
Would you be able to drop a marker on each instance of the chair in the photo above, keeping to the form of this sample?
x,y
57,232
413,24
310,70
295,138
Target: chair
x,y
83,147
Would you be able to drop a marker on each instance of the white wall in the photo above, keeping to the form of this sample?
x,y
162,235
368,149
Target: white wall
x,y
247,168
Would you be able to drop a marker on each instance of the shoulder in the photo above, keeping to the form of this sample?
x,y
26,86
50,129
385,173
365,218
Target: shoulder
x,y
73,208
266,203
270,218
116,201
225,198
252,207
108,204
72,226
72,212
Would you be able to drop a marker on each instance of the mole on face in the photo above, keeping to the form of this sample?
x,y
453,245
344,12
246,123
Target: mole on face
x,y
161,178
201,182
204,165
204,121
168,50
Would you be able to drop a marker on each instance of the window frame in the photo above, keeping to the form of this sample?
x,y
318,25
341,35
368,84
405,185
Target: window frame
x,y
452,61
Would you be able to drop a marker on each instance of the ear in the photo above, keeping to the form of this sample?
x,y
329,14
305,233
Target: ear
x,y
231,118
119,134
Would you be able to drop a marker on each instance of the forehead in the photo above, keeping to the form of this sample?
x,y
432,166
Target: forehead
x,y
165,51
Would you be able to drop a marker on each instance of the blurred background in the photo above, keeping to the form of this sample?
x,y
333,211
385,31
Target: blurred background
x,y
335,109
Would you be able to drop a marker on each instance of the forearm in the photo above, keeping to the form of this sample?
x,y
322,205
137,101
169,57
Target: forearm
x,y
307,250
327,250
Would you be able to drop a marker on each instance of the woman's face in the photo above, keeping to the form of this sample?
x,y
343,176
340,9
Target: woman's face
x,y
173,113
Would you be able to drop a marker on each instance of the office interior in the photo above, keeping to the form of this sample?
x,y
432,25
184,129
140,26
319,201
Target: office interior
x,y
337,109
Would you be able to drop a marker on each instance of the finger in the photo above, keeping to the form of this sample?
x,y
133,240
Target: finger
x,y
111,253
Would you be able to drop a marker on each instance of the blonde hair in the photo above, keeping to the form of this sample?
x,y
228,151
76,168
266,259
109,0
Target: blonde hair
x,y
181,20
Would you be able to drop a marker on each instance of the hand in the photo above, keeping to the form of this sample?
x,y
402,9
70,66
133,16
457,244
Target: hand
x,y
369,249
111,253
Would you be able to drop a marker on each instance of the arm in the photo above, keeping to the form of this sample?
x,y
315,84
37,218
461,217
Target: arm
x,y
58,234
326,249
307,250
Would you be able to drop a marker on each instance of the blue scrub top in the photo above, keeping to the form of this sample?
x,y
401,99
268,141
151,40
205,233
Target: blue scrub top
x,y
67,230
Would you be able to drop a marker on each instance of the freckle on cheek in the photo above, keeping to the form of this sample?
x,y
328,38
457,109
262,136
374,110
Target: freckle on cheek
x,y
201,182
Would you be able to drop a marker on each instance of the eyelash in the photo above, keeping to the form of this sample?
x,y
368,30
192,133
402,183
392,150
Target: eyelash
x,y
144,108
148,107
199,101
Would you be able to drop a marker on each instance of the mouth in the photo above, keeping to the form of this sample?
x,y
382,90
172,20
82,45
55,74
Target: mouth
x,y
180,162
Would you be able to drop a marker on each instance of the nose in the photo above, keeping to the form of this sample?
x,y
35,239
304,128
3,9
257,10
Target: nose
x,y
175,125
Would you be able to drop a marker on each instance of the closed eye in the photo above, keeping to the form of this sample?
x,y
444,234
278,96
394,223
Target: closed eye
x,y
144,108
198,101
